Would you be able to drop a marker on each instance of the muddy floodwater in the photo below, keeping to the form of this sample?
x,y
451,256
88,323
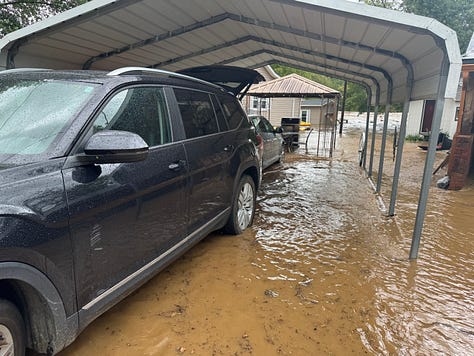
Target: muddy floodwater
x,y
322,271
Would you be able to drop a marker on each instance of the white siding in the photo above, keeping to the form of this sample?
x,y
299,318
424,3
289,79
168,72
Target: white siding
x,y
414,117
448,123
415,114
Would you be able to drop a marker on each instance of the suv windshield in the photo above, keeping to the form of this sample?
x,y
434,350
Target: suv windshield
x,y
33,113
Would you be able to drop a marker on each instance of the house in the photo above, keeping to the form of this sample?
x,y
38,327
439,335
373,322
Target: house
x,y
291,96
420,115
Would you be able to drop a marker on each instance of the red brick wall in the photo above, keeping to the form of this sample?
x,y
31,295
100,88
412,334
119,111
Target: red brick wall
x,y
460,160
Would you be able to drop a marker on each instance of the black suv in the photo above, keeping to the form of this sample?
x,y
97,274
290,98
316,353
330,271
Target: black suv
x,y
106,178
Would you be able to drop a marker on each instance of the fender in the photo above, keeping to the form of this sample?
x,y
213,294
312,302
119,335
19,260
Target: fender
x,y
65,328
248,159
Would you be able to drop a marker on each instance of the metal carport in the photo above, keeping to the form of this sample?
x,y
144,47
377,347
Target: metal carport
x,y
397,57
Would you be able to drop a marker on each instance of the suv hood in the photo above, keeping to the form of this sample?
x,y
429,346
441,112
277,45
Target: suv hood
x,y
236,80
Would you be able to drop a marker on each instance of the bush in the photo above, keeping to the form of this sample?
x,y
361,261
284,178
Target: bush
x,y
414,138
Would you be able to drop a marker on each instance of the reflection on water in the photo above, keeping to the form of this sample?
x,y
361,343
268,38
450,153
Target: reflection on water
x,y
315,222
321,272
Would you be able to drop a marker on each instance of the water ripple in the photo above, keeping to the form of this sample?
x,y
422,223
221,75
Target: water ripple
x,y
317,218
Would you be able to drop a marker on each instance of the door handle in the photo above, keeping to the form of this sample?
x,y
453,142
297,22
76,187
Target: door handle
x,y
229,148
176,166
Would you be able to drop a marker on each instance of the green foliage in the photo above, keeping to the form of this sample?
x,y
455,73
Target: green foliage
x,y
388,4
17,14
414,138
456,14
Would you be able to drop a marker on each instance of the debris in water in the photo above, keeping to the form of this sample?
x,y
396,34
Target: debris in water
x,y
270,293
181,350
443,183
306,282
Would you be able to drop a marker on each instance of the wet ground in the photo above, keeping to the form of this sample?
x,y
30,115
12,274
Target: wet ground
x,y
322,271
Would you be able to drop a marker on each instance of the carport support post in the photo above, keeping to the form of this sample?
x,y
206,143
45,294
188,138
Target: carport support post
x,y
401,141
374,129
335,121
398,160
367,123
343,107
429,162
382,148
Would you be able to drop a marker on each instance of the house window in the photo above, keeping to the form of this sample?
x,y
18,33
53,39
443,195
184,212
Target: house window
x,y
305,115
259,103
255,103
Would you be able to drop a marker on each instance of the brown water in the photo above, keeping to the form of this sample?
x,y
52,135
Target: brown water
x,y
322,271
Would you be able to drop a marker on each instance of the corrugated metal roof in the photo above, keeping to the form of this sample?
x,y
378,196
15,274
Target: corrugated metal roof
x,y
292,85
352,41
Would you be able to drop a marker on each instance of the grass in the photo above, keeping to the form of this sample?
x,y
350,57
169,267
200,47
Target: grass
x,y
414,138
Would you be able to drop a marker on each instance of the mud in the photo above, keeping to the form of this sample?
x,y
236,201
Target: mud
x,y
322,271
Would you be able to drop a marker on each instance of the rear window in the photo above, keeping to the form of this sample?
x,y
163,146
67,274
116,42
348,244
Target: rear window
x,y
197,113
233,112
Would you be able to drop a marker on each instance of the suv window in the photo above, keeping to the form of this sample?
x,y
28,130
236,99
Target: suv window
x,y
139,110
223,126
233,111
197,112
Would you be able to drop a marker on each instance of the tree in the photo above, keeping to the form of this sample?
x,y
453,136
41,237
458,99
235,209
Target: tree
x,y
17,14
387,4
456,14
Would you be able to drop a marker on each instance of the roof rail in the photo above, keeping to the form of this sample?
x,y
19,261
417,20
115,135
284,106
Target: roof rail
x,y
162,72
15,70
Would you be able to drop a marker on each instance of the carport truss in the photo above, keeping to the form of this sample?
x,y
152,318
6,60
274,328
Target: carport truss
x,y
397,57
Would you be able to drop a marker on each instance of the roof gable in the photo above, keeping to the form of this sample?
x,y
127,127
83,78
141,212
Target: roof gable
x,y
292,85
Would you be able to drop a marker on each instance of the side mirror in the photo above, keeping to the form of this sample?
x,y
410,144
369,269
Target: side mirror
x,y
279,129
110,146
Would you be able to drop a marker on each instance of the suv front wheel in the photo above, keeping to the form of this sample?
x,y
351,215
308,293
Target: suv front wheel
x,y
12,330
243,206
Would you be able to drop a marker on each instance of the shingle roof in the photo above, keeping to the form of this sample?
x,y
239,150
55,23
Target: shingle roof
x,y
292,85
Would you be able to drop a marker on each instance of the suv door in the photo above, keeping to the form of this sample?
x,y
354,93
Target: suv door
x,y
208,153
124,215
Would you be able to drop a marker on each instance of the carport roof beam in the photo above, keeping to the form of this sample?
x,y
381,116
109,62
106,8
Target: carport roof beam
x,y
250,21
263,64
157,38
305,61
277,45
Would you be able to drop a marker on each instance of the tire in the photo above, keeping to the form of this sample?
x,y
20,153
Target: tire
x,y
12,330
243,206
